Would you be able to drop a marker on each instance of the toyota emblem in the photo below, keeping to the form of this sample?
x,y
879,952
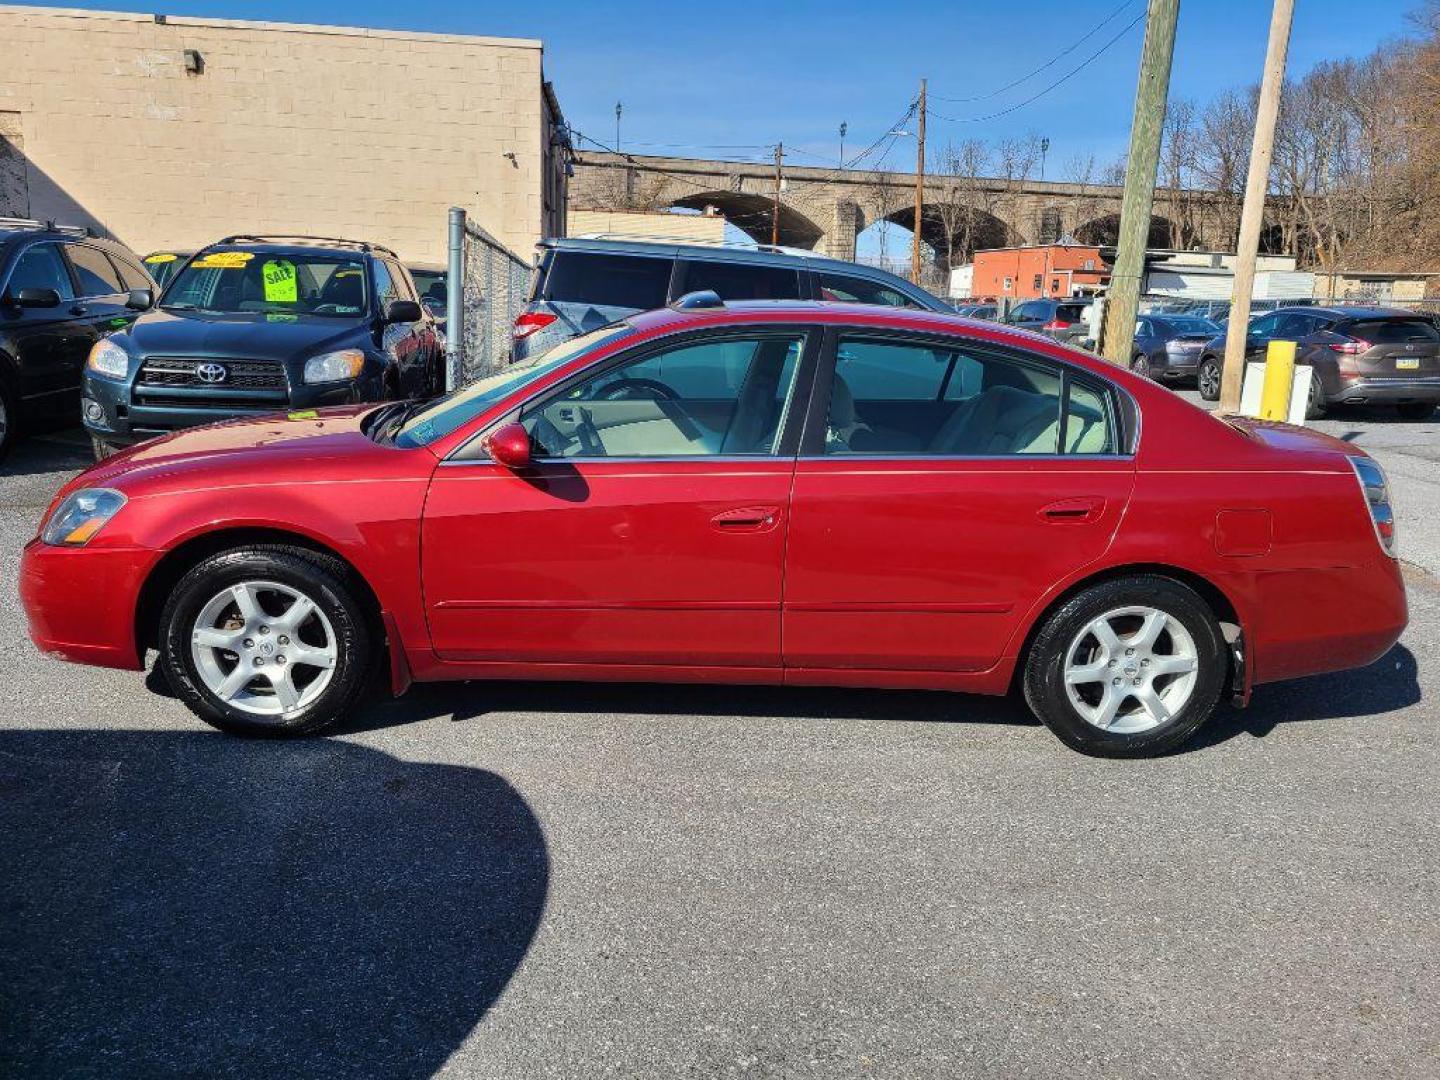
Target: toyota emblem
x,y
211,373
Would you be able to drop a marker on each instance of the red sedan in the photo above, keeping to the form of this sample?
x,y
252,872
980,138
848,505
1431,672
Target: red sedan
x,y
789,494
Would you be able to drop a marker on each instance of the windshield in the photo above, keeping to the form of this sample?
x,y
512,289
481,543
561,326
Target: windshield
x,y
256,282
446,414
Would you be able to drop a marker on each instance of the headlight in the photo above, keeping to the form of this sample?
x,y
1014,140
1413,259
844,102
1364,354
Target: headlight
x,y
335,366
107,358
81,515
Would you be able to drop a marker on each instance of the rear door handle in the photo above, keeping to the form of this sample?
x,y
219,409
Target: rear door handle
x,y
1085,508
747,519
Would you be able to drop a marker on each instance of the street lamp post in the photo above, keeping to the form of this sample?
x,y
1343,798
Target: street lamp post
x,y
1044,149
844,127
618,109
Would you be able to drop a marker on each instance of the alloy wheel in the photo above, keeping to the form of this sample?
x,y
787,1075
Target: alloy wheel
x,y
264,648
1131,669
1209,380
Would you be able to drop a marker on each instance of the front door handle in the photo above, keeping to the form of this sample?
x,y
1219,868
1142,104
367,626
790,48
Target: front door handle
x,y
747,519
1083,509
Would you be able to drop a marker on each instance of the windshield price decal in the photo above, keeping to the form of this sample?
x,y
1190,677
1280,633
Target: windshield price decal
x,y
281,285
224,260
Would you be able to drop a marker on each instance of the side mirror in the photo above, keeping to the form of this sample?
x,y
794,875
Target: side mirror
x,y
37,298
140,300
509,444
403,311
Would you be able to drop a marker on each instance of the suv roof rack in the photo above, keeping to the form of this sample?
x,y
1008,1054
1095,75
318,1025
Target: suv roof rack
x,y
50,225
251,238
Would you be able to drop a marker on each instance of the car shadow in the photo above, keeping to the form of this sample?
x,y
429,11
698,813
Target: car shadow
x,y
1388,684
187,904
42,454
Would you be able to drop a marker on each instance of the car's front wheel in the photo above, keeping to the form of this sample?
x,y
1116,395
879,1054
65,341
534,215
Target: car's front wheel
x,y
1207,378
1127,668
8,421
266,640
1140,365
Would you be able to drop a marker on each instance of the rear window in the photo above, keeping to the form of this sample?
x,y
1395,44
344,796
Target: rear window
x,y
1393,331
739,281
1070,312
637,282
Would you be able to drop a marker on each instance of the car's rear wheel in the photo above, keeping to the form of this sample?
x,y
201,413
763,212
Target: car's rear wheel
x,y
266,640
1207,378
1315,406
1127,668
1416,410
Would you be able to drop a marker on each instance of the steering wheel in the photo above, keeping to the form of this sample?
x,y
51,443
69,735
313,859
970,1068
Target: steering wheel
x,y
637,390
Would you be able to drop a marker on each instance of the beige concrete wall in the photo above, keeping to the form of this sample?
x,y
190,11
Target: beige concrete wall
x,y
692,228
363,134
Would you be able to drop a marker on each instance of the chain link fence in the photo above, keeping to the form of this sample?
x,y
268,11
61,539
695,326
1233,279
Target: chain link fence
x,y
494,285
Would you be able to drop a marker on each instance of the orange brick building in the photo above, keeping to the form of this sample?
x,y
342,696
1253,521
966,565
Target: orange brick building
x,y
1029,273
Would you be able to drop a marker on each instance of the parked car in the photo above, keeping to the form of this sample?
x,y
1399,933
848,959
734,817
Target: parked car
x,y
978,311
1168,347
1063,320
792,494
254,324
430,282
162,265
1359,355
61,290
583,283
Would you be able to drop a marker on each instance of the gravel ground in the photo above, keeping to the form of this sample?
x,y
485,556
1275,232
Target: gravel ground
x,y
515,880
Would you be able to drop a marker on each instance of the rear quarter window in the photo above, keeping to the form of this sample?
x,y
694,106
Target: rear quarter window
x,y
639,282
741,281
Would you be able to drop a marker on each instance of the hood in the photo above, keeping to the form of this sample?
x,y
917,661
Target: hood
x,y
239,450
248,335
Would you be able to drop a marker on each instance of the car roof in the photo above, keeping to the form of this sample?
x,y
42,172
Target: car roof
x,y
288,249
1358,311
765,254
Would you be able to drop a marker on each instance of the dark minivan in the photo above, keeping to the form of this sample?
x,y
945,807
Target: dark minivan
x,y
61,291
583,283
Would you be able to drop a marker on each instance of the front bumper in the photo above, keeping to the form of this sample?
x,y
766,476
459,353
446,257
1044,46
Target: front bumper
x,y
110,414
80,602
1386,390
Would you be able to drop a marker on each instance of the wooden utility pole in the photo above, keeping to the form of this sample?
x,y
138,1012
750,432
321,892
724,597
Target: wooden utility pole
x,y
775,209
1252,216
1122,302
919,188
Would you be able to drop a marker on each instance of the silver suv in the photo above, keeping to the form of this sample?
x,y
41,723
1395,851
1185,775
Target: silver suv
x,y
581,283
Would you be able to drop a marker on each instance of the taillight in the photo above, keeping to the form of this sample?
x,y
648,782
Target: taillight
x,y
1377,498
1353,347
530,321
1057,324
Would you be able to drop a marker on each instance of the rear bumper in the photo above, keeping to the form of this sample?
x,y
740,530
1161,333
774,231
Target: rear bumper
x,y
1395,390
80,602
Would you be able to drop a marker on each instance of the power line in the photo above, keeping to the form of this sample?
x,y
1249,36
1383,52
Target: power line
x,y
1058,82
1048,63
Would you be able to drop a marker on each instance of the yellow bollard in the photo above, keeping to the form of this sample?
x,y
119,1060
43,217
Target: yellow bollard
x,y
1279,380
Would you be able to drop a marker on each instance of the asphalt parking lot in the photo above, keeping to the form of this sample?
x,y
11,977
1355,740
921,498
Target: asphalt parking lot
x,y
515,880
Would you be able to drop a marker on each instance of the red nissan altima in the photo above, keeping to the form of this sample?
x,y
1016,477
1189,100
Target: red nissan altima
x,y
789,494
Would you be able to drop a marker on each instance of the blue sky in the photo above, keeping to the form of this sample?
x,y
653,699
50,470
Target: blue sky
x,y
731,80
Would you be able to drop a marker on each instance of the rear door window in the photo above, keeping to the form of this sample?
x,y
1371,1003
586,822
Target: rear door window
x,y
41,267
739,281
638,282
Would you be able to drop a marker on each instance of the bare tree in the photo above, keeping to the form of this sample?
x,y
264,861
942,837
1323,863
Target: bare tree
x,y
1015,159
1177,171
964,198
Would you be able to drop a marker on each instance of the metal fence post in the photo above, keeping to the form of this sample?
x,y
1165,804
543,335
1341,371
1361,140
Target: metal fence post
x,y
455,301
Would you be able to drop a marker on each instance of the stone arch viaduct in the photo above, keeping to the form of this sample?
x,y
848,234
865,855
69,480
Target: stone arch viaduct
x,y
826,209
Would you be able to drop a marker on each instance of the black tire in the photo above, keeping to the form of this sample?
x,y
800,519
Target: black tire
x,y
1315,405
101,448
325,580
9,421
1140,365
1207,379
1044,671
1415,410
